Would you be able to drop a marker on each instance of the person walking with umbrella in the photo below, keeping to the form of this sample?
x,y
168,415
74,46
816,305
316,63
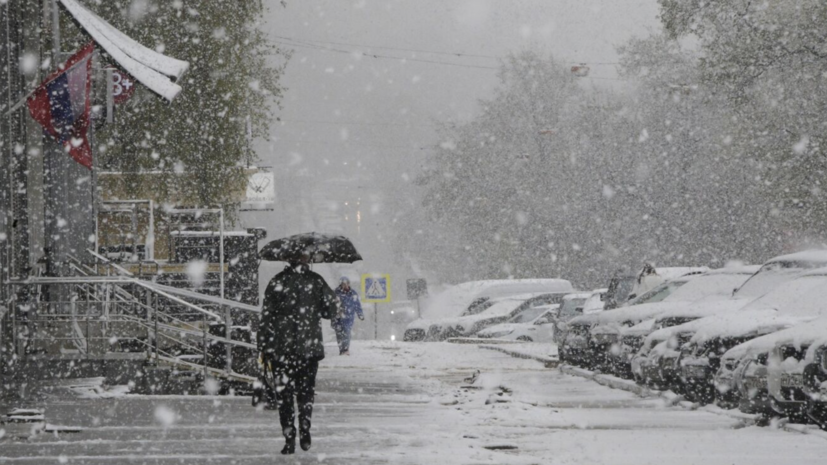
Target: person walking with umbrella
x,y
289,337
351,307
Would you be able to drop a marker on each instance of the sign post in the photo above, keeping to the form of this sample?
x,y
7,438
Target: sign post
x,y
376,289
417,288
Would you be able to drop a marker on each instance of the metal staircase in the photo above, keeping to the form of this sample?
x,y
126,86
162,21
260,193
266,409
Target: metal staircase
x,y
103,311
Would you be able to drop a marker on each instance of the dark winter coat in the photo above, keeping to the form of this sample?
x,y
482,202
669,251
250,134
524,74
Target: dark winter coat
x,y
350,306
294,303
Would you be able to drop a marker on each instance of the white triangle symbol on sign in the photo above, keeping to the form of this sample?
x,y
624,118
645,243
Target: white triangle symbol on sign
x,y
375,291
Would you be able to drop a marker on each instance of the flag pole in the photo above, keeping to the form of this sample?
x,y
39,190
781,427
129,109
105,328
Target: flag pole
x,y
93,145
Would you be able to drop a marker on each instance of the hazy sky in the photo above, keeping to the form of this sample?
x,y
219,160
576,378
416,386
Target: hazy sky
x,y
370,120
343,106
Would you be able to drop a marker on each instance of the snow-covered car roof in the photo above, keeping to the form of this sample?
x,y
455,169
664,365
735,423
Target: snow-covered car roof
x,y
803,295
719,282
814,255
456,299
509,327
780,269
675,272
610,321
804,333
502,306
739,324
708,306
788,304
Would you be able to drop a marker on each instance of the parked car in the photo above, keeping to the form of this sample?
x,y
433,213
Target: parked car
x,y
632,340
713,289
751,380
796,297
701,295
708,362
571,307
815,383
501,310
650,277
659,366
574,347
472,298
785,370
532,325
583,324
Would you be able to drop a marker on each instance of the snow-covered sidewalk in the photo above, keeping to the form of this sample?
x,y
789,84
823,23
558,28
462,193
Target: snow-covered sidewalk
x,y
431,403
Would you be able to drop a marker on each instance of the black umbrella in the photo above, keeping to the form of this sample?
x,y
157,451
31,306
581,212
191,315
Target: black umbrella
x,y
322,248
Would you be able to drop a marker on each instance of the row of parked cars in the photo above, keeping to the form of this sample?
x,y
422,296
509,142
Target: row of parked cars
x,y
747,337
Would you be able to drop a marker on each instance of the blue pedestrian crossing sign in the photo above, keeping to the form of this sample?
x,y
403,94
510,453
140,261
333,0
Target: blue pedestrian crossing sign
x,y
376,288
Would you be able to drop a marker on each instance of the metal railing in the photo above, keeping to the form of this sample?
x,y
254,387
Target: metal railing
x,y
90,315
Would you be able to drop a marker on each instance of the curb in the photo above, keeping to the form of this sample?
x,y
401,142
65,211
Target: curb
x,y
549,362
668,396
479,340
805,429
609,381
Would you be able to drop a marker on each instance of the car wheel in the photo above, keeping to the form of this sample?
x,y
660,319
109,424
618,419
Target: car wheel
x,y
525,339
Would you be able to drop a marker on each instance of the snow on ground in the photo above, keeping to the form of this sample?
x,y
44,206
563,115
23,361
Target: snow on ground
x,y
415,403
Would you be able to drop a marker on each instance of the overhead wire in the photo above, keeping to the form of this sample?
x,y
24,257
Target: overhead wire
x,y
388,57
355,145
316,42
351,123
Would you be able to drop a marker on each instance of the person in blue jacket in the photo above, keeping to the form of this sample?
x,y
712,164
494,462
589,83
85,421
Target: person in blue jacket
x,y
350,308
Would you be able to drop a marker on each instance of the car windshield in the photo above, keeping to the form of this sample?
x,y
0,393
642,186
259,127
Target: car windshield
x,y
773,274
658,294
528,315
717,284
802,296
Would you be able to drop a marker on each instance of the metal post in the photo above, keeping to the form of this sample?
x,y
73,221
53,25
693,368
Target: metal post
x,y
110,95
56,53
228,316
221,252
150,235
93,146
204,315
155,336
375,321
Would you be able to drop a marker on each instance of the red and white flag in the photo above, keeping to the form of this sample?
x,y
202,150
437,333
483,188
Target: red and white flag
x,y
62,105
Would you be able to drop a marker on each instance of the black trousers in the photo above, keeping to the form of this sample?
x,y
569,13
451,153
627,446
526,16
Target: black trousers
x,y
295,382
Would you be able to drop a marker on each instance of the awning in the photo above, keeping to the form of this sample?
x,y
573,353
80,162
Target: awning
x,y
149,67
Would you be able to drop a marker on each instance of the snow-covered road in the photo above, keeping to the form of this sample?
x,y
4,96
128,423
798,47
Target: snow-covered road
x,y
405,403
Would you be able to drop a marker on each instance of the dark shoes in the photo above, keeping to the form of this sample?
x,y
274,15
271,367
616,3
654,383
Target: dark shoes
x,y
304,440
304,435
289,442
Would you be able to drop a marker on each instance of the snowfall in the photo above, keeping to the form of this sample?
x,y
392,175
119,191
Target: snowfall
x,y
394,402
